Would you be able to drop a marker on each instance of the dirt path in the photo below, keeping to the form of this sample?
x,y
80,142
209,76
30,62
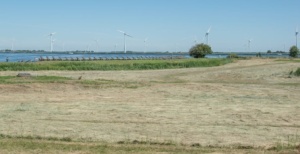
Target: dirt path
x,y
249,102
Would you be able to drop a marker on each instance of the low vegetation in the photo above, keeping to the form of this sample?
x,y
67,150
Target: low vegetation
x,y
294,51
200,50
29,144
297,72
113,65
32,79
233,55
99,83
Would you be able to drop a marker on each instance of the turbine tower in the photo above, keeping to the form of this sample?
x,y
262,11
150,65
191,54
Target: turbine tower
x,y
64,46
145,44
97,43
115,47
195,41
51,41
249,45
125,34
88,48
12,44
206,35
296,37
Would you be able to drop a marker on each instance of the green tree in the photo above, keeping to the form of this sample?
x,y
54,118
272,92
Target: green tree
x,y
200,50
269,51
294,51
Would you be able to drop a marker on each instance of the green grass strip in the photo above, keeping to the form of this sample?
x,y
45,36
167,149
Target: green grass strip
x,y
113,65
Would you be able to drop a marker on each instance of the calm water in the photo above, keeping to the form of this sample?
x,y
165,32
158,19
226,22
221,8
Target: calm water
x,y
17,57
253,54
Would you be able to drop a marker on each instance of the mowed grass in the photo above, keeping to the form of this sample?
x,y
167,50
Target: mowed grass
x,y
33,79
113,65
29,144
68,125
293,60
98,83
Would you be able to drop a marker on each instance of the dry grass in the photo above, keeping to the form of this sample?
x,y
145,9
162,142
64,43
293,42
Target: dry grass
x,y
249,102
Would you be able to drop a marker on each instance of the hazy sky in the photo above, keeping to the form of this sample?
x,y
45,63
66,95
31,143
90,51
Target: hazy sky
x,y
169,25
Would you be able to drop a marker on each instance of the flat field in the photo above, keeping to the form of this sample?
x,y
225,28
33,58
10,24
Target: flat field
x,y
249,103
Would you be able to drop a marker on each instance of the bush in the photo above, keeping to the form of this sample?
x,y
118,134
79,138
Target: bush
x,y
258,54
200,50
294,51
297,72
232,55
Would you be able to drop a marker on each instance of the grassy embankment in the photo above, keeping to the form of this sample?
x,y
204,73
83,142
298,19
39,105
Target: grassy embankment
x,y
113,65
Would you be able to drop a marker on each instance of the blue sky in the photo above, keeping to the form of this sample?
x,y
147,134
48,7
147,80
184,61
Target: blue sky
x,y
169,25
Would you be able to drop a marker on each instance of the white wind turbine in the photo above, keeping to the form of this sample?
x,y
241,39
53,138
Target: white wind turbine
x,y
249,44
97,43
51,41
125,34
115,47
63,46
206,35
88,47
12,44
145,44
195,40
296,33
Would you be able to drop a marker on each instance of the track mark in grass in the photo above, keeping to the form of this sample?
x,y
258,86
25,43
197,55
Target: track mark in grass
x,y
32,79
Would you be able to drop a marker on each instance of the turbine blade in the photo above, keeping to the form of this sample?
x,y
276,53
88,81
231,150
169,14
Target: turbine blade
x,y
208,29
127,35
121,31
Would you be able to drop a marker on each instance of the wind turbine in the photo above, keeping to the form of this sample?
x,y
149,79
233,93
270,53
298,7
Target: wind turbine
x,y
206,35
97,43
88,47
125,34
64,46
249,45
116,47
195,41
51,40
145,44
12,44
296,37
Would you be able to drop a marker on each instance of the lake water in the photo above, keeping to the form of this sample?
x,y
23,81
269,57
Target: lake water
x,y
17,57
252,54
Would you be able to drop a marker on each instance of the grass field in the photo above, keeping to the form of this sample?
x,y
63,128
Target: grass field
x,y
248,106
113,65
24,146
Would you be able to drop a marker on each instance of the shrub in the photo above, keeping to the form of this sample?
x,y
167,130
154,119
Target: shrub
x,y
294,51
232,55
200,50
297,72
